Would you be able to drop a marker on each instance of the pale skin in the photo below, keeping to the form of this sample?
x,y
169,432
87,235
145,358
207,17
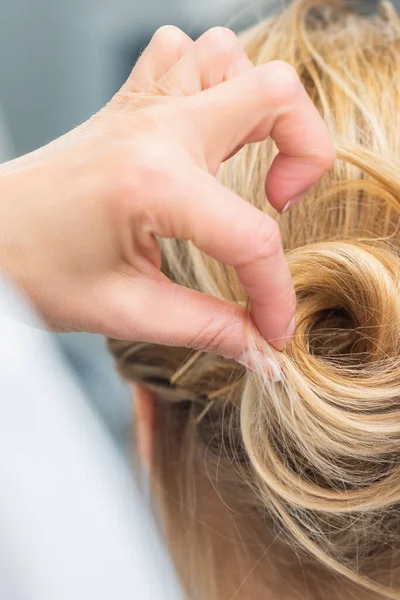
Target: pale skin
x,y
240,580
80,218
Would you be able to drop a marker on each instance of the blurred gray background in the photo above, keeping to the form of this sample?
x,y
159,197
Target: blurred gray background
x,y
60,61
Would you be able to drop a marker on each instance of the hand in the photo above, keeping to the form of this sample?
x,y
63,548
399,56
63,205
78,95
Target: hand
x,y
79,218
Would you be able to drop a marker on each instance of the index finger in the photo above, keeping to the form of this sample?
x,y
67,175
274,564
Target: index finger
x,y
226,227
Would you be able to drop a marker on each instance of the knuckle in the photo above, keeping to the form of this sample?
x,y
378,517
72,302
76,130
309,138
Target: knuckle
x,y
285,78
222,42
268,241
218,335
323,158
169,34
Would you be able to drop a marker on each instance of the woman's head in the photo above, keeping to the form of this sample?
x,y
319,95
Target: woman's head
x,y
291,489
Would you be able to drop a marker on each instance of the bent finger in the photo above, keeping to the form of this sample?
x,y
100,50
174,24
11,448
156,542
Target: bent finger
x,y
188,319
234,232
267,101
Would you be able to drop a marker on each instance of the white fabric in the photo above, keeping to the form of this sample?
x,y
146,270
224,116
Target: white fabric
x,y
72,524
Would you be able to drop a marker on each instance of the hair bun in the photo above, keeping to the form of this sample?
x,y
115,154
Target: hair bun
x,y
325,443
348,304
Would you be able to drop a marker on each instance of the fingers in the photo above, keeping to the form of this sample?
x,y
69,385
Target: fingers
x,y
158,311
215,57
167,46
234,232
248,106
268,101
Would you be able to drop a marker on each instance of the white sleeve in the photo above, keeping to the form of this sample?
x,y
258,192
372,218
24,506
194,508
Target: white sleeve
x,y
72,522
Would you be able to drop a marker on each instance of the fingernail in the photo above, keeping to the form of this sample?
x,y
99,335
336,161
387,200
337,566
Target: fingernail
x,y
255,361
290,203
281,343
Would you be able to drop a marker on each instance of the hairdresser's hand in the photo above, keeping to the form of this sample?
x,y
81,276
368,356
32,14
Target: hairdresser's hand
x,y
79,219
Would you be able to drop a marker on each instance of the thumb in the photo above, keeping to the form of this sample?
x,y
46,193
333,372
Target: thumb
x,y
155,310
267,101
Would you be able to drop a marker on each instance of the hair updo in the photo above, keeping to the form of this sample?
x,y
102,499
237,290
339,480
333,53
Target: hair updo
x,y
305,471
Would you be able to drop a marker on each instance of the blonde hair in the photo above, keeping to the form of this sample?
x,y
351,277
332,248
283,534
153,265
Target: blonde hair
x,y
299,477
